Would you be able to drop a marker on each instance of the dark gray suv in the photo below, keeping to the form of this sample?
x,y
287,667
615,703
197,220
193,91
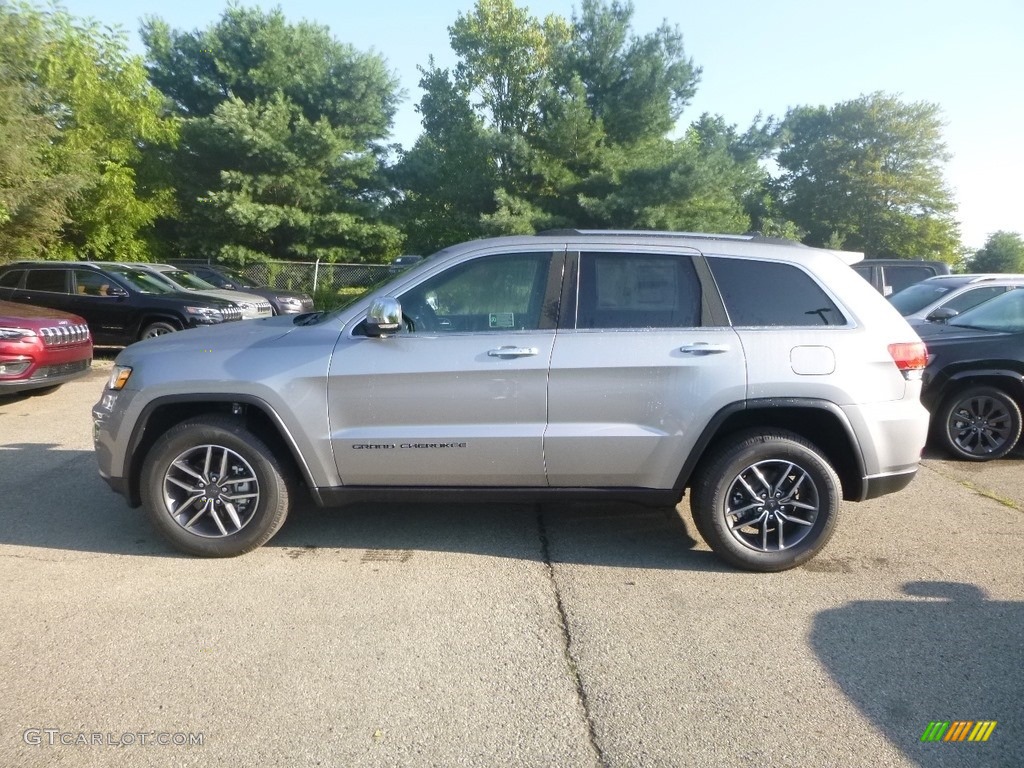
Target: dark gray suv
x,y
762,376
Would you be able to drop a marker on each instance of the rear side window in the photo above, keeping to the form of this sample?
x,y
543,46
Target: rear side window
x,y
638,290
52,280
11,279
768,293
898,278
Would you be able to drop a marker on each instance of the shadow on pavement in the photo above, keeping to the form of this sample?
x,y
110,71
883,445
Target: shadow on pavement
x,y
945,653
54,499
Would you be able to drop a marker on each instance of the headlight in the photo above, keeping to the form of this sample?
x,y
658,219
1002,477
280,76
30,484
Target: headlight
x,y
119,377
246,306
291,301
206,314
15,334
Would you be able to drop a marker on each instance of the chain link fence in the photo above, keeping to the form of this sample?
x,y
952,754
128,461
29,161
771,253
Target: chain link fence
x,y
307,276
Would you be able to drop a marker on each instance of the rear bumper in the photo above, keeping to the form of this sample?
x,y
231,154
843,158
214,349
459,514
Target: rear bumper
x,y
886,484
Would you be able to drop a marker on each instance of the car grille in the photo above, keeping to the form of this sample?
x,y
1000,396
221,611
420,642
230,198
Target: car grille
x,y
231,313
64,335
62,369
264,308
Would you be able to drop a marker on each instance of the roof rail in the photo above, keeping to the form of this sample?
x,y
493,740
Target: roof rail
x,y
750,237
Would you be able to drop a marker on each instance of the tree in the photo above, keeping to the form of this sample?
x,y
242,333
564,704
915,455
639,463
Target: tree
x,y
1003,252
90,124
867,175
565,124
33,201
281,148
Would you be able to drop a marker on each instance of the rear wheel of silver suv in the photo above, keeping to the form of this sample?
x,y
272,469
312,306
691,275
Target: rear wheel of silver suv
x,y
214,489
766,501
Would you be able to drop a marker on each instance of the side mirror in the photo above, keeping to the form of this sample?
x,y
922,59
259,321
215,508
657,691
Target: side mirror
x,y
942,314
385,317
117,291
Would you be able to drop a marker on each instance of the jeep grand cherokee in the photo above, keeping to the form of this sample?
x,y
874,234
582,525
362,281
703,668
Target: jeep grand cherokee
x,y
764,377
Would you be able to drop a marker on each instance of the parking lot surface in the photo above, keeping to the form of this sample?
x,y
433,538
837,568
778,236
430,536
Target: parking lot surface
x,y
492,635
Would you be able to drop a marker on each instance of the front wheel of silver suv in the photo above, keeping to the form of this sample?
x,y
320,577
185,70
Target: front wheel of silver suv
x,y
766,501
213,488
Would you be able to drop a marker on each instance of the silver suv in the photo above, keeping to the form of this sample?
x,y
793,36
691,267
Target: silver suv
x,y
762,375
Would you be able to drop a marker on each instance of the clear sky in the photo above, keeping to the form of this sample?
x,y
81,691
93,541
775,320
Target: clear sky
x,y
757,56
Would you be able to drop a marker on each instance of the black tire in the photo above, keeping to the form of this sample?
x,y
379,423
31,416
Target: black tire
x,y
978,424
791,517
193,509
157,328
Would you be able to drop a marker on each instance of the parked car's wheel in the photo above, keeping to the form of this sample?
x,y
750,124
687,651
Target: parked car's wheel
x,y
766,501
978,424
157,328
213,488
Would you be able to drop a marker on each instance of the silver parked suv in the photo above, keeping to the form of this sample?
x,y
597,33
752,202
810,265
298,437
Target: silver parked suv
x,y
762,375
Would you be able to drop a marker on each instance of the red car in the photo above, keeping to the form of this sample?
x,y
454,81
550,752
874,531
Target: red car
x,y
41,347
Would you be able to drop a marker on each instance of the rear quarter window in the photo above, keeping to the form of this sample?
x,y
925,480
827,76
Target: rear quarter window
x,y
11,279
772,294
899,277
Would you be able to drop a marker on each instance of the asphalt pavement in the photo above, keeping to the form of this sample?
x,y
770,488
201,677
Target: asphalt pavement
x,y
498,635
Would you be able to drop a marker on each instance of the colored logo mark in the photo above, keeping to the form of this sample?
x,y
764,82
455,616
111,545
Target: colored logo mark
x,y
958,730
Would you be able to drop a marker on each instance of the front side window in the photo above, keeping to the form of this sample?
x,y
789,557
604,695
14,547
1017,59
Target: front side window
x,y
89,283
51,280
974,297
772,294
637,290
492,293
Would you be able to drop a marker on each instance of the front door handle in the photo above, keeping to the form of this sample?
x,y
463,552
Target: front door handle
x,y
703,348
513,352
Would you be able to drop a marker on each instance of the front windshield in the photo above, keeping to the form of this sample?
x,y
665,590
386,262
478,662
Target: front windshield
x,y
239,279
348,301
918,296
142,281
1003,313
187,280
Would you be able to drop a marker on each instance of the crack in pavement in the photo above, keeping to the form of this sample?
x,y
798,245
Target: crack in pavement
x,y
574,671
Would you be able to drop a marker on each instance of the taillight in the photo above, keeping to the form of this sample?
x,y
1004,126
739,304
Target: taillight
x,y
910,357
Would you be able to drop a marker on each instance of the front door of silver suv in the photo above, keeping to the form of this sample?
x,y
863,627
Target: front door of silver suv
x,y
459,396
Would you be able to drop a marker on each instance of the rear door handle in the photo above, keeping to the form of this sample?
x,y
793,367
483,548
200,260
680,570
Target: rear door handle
x,y
513,352
703,348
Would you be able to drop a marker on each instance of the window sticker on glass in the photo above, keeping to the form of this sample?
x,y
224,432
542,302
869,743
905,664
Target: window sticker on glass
x,y
502,320
637,284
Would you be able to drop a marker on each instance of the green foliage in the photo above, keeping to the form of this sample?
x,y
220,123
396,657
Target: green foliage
x,y
1003,252
279,155
81,139
330,299
636,86
867,174
553,123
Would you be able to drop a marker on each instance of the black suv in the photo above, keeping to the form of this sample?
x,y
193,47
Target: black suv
x,y
121,303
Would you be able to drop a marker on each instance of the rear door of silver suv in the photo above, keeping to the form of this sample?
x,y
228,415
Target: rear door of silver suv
x,y
643,358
